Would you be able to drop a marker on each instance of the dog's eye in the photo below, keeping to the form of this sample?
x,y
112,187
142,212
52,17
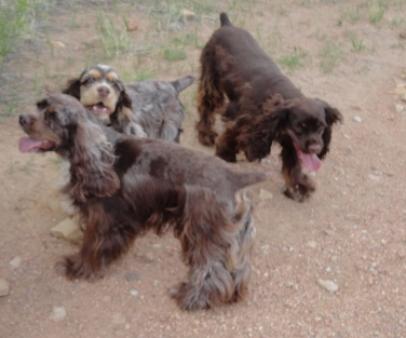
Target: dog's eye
x,y
303,125
49,115
88,80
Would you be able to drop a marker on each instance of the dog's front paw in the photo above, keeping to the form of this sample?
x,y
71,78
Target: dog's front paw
x,y
301,190
226,155
207,138
74,267
188,298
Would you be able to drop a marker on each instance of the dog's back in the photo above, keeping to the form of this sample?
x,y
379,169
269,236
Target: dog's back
x,y
239,56
179,165
157,107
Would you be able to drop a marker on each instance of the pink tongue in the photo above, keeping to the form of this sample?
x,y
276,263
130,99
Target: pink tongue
x,y
27,145
310,161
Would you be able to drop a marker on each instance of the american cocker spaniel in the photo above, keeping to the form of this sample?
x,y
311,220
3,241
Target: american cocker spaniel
x,y
144,108
124,186
263,106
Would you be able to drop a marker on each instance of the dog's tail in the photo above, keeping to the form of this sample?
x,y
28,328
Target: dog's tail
x,y
224,20
244,179
183,83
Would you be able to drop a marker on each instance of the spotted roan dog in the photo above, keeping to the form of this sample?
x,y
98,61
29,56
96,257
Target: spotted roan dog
x,y
144,108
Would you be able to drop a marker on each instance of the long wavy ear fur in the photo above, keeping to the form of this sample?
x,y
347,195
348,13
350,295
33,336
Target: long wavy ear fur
x,y
333,115
73,88
257,137
92,164
123,107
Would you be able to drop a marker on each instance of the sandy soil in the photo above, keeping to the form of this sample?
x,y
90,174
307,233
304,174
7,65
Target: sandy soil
x,y
352,232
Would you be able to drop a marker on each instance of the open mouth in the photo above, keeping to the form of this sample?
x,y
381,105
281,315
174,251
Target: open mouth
x,y
30,145
99,109
310,161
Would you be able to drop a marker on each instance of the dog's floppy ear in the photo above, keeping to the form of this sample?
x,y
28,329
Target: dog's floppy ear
x,y
124,100
92,163
73,88
258,134
333,115
276,114
123,107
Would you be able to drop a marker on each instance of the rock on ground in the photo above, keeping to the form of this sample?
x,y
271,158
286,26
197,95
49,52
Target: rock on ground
x,y
4,288
69,230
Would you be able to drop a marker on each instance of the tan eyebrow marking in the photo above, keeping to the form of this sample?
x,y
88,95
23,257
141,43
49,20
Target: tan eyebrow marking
x,y
94,73
112,76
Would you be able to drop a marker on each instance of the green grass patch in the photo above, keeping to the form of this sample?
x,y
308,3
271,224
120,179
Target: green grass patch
x,y
330,56
174,54
115,40
357,44
294,60
13,24
144,74
376,11
188,40
351,15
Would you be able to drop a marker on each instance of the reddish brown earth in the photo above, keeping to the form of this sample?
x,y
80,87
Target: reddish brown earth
x,y
352,232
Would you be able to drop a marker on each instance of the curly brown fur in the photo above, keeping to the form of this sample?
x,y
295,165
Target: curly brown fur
x,y
126,186
235,66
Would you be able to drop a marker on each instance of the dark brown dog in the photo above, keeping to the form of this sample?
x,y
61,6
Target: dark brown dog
x,y
264,106
124,186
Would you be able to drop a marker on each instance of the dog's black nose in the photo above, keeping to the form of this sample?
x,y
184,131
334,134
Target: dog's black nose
x,y
23,120
103,91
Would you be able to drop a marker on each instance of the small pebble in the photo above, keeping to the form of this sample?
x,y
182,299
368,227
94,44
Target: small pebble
x,y
187,15
134,292
357,118
132,25
4,288
58,313
15,262
328,285
400,108
311,244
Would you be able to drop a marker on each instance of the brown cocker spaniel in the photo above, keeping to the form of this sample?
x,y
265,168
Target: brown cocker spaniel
x,y
143,108
124,186
263,106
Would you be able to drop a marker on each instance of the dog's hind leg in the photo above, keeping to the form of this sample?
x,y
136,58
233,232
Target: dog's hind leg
x,y
208,240
245,239
210,98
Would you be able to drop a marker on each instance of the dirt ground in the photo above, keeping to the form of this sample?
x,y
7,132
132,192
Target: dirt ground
x,y
352,232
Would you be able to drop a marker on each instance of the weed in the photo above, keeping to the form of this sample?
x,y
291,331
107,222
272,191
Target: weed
x,y
13,23
376,11
115,40
174,54
144,74
294,60
398,22
357,44
330,56
352,15
188,39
